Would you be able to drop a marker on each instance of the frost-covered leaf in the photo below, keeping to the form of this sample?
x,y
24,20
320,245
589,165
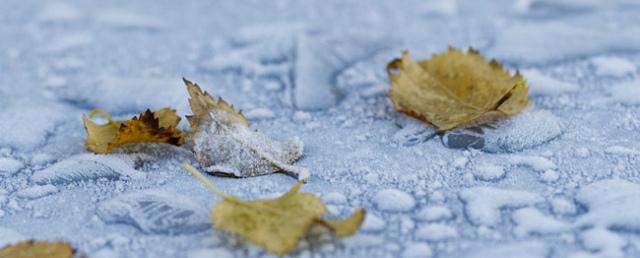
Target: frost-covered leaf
x,y
38,249
454,88
224,144
276,224
158,126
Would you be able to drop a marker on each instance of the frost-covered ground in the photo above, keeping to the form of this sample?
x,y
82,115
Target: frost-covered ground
x,y
560,179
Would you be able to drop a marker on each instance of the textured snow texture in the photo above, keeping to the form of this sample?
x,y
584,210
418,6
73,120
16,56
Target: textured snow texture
x,y
154,211
558,180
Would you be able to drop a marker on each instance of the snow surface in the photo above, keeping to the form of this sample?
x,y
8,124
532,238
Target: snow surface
x,y
558,180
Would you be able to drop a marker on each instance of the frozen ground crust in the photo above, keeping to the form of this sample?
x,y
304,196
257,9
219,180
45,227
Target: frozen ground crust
x,y
558,180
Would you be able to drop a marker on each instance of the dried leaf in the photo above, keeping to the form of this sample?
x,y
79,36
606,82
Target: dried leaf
x,y
225,145
275,224
158,126
39,249
454,88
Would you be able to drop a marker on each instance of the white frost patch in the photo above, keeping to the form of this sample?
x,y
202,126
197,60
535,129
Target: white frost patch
x,y
536,163
417,250
18,129
483,204
602,243
373,223
259,113
549,175
532,221
9,166
436,232
613,66
66,42
542,42
562,206
394,200
488,171
9,236
439,7
611,203
528,129
130,94
620,150
123,19
334,198
524,249
59,12
541,84
37,191
626,93
434,213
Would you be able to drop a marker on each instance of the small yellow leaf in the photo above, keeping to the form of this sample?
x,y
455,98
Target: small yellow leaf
x,y
158,126
454,88
39,249
275,224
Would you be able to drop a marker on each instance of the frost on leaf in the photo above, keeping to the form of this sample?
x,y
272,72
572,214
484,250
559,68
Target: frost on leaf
x,y
38,249
454,88
276,224
158,126
224,144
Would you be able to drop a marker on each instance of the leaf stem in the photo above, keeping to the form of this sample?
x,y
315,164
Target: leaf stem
x,y
194,172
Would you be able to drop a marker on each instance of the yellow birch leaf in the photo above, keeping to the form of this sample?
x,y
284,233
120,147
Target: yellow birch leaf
x,y
158,126
275,224
454,88
38,249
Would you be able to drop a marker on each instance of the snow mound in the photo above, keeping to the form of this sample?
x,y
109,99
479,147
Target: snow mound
x,y
526,130
601,243
627,92
9,166
532,221
394,200
436,232
483,204
37,191
156,212
373,223
417,250
524,249
611,203
435,213
613,66
87,167
488,171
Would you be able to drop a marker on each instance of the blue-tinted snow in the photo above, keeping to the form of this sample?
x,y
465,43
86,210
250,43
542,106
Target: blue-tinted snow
x,y
558,180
